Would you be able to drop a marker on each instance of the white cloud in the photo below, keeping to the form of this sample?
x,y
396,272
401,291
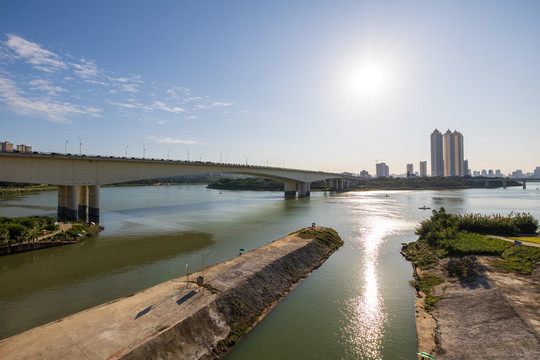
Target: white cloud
x,y
161,106
168,140
54,110
213,105
34,54
45,85
85,69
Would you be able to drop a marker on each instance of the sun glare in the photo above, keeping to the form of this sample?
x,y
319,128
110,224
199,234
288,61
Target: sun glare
x,y
368,81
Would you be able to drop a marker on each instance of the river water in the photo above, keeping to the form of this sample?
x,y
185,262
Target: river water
x,y
357,305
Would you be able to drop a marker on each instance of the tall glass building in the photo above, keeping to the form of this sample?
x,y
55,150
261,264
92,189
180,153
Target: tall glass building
x,y
437,162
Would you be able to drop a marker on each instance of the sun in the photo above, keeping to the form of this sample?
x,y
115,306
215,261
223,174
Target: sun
x,y
368,81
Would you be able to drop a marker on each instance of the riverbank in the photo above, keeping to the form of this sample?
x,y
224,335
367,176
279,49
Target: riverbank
x,y
487,314
178,318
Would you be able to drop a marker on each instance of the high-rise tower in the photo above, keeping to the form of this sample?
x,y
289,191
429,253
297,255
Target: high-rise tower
x,y
437,162
453,154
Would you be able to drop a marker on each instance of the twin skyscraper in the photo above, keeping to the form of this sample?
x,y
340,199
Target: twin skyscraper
x,y
447,157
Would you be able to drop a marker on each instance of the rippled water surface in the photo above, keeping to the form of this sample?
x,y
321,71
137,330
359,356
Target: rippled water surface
x,y
357,305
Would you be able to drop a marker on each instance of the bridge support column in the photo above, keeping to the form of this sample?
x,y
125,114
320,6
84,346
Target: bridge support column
x,y
504,184
83,203
72,209
93,208
304,189
524,184
62,202
486,184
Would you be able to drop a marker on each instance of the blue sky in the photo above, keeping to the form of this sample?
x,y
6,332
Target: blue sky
x,y
322,85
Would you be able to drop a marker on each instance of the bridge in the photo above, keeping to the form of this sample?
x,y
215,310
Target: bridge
x,y
79,177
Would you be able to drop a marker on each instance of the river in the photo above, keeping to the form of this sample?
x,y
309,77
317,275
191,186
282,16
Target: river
x,y
357,305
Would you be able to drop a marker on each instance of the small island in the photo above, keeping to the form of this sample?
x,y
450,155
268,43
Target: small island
x,y
477,290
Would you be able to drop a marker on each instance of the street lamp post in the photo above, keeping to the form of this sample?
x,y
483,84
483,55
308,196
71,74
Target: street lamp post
x,y
168,154
143,150
126,151
65,150
187,154
80,146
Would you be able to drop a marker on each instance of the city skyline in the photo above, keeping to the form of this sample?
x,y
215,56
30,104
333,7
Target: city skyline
x,y
312,84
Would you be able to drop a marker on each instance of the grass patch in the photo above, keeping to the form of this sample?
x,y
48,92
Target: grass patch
x,y
326,236
426,283
520,259
474,244
534,239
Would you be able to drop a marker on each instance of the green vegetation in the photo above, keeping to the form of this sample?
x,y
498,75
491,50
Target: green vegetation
x,y
424,183
426,283
520,259
248,183
446,235
440,236
326,236
442,226
13,189
18,230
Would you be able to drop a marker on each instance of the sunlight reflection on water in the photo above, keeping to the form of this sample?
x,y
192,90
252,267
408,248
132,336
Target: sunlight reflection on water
x,y
365,330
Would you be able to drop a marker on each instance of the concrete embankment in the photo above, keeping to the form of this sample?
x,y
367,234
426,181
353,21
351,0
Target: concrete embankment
x,y
178,319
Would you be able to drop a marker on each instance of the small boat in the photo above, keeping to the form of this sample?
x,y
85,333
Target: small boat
x,y
424,208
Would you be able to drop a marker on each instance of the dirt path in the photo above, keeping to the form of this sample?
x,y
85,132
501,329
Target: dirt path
x,y
486,315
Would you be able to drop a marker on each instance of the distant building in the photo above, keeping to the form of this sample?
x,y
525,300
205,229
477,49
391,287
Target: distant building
x,y
517,174
410,170
364,174
453,154
536,173
382,170
484,172
437,160
6,146
423,168
24,149
476,173
498,173
466,170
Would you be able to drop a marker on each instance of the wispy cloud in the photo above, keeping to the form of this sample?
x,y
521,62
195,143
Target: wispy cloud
x,y
34,54
168,140
72,88
45,85
213,105
41,106
86,69
161,106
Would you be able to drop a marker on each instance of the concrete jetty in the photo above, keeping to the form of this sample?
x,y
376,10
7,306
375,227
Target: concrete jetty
x,y
179,319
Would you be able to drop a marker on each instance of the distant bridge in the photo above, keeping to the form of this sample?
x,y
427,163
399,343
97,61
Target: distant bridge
x,y
79,177
505,181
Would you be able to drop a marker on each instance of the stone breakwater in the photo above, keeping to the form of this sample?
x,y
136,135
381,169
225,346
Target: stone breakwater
x,y
179,319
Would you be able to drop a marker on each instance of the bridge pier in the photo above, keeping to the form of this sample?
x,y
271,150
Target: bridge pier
x,y
293,187
78,203
504,184
83,203
524,184
71,208
62,202
304,189
93,213
290,189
